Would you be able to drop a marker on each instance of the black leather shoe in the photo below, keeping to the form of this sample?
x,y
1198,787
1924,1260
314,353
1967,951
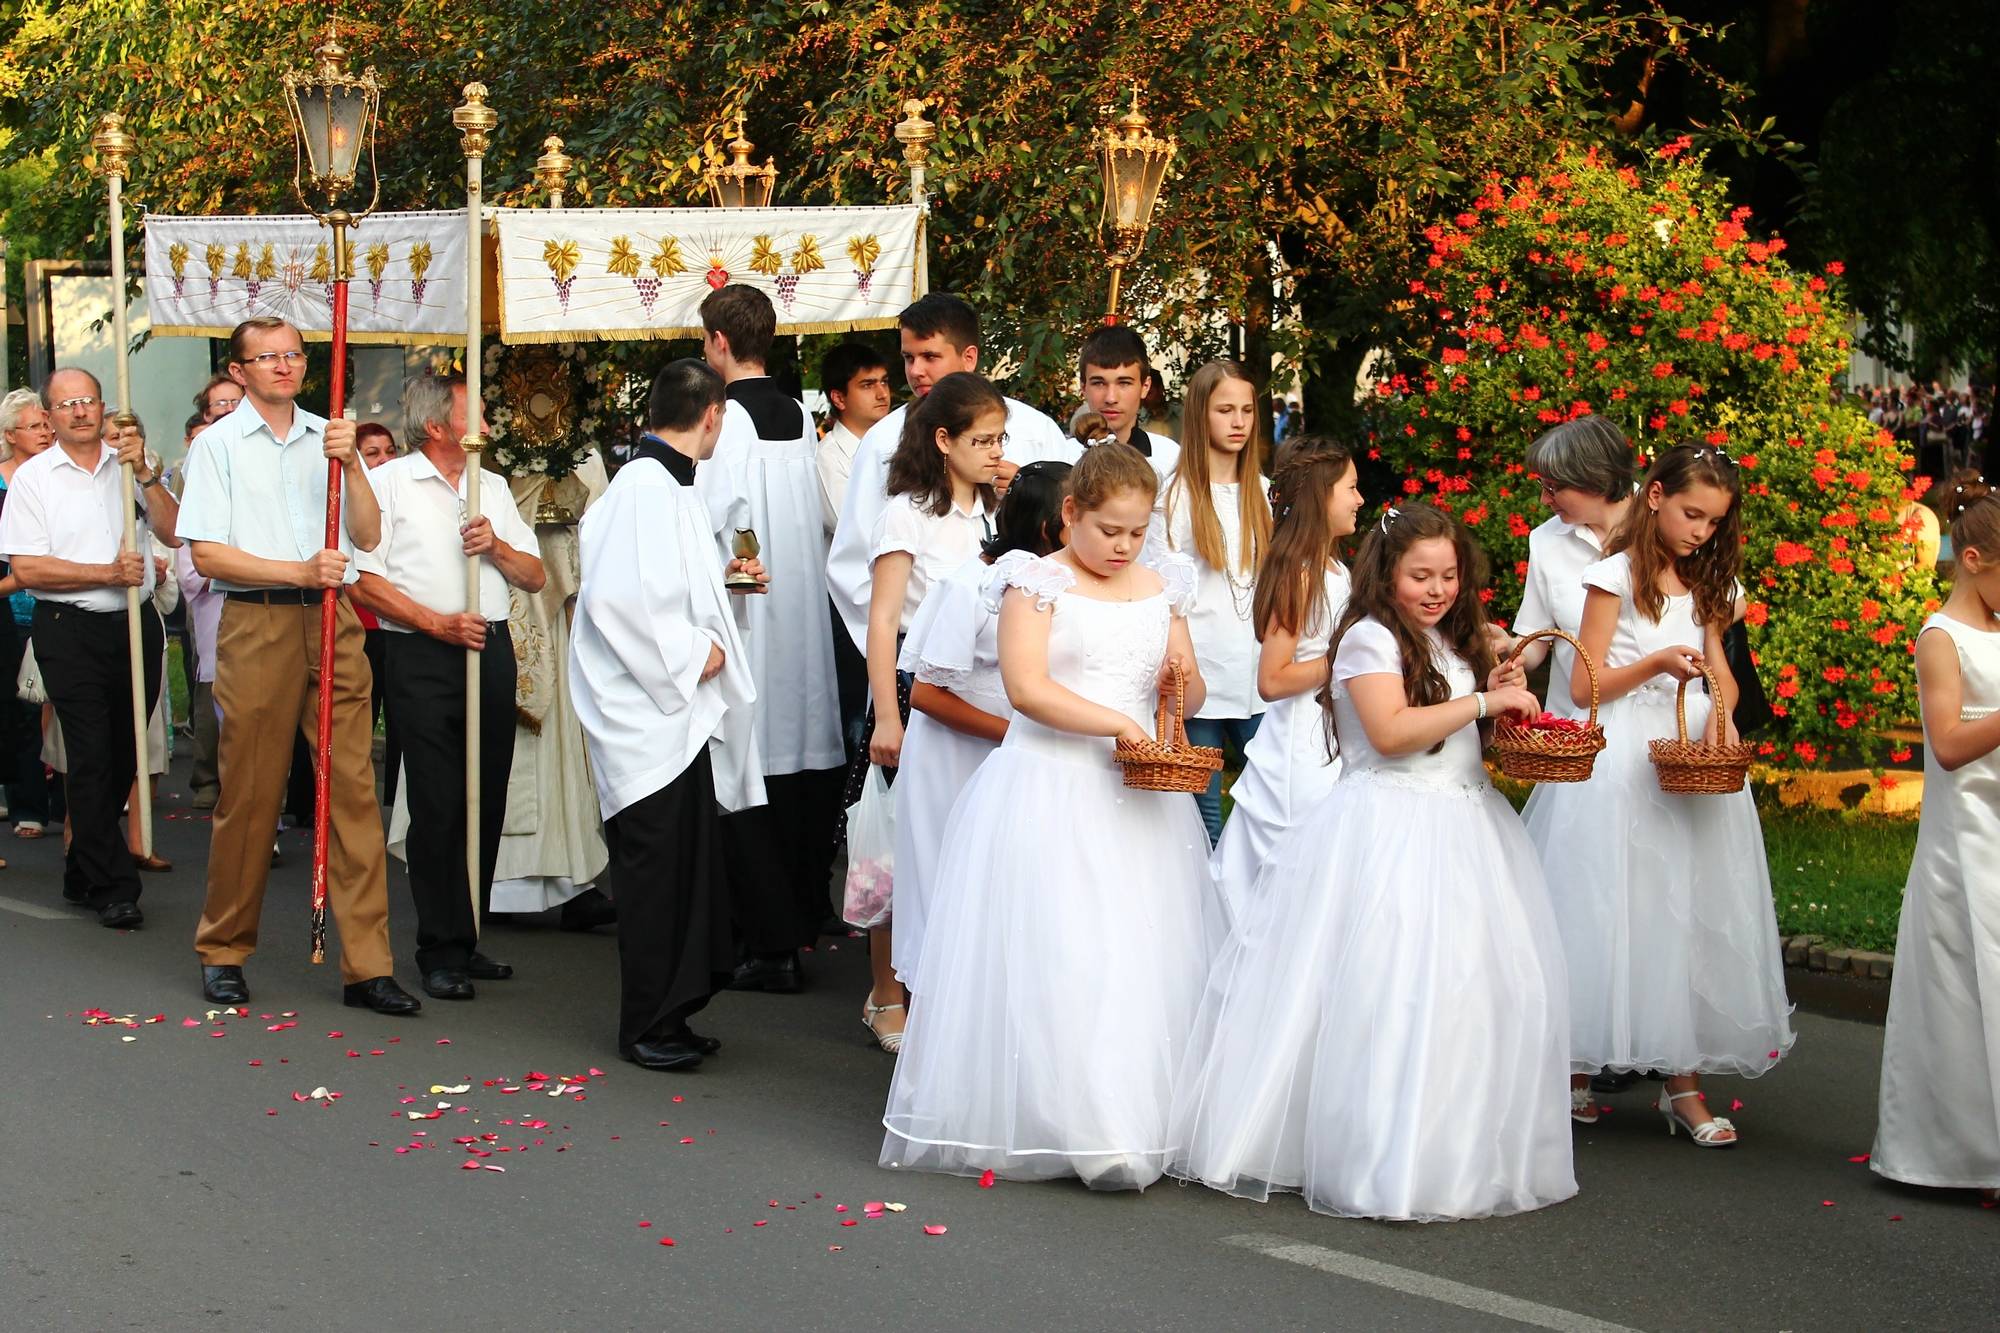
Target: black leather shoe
x,y
689,1037
482,968
1614,1082
448,983
381,994
224,985
587,911
120,916
665,1053
779,974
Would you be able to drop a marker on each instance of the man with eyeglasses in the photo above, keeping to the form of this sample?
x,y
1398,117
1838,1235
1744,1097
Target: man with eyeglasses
x,y
255,511
414,581
64,529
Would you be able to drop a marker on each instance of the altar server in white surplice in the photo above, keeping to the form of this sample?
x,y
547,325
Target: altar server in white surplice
x,y
939,334
765,477
662,685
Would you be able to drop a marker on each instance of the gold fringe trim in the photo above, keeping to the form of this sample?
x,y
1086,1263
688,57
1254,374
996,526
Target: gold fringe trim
x,y
516,337
404,338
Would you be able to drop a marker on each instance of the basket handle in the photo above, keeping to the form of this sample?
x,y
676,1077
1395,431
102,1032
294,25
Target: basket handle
x,y
1714,688
1169,724
1582,656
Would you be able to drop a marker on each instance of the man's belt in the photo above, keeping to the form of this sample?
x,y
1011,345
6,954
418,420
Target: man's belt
x,y
277,596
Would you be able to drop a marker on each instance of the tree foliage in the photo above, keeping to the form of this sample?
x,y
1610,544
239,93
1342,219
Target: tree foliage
x,y
1641,296
1317,138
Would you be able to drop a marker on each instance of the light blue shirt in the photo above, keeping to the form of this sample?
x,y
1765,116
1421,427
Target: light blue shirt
x,y
248,489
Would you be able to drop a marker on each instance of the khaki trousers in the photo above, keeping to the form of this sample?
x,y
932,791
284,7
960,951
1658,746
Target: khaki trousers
x,y
267,688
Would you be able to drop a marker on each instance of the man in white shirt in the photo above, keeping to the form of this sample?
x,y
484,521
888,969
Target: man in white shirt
x,y
255,512
203,614
63,529
855,379
663,690
1112,370
414,582
939,334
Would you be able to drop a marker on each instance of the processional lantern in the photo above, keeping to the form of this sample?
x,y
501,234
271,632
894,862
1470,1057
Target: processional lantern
x,y
1134,162
737,183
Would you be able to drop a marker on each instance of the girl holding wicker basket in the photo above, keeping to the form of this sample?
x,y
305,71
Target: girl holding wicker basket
x,y
1061,972
1940,1102
1292,761
1664,898
1385,1030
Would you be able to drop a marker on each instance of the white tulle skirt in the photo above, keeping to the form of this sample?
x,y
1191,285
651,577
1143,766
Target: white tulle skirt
x,y
937,763
1286,773
1060,973
1384,1031
1664,903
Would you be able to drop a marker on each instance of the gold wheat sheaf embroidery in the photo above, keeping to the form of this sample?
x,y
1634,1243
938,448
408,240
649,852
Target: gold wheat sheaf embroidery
x,y
561,257
764,257
420,259
322,265
378,260
241,268
177,257
216,256
668,262
805,258
624,259
267,264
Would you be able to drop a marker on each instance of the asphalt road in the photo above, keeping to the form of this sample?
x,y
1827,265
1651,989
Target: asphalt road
x,y
167,1176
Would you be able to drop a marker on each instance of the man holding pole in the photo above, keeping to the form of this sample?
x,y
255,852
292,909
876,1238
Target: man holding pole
x,y
414,580
62,529
254,509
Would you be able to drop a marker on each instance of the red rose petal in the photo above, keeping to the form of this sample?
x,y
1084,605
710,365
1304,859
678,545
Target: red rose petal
x,y
986,1181
1862,1158
763,1222
934,1230
645,1224
667,1240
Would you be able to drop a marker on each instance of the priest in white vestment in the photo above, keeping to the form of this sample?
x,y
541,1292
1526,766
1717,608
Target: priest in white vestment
x,y
662,686
764,478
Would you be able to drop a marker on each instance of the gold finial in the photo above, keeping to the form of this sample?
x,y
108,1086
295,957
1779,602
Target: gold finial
x,y
475,121
915,133
552,167
112,145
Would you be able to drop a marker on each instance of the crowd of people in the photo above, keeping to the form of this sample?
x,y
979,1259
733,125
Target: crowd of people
x,y
1944,429
926,632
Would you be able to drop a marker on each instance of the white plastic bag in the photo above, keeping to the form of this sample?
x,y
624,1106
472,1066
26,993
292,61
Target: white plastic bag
x,y
28,686
871,854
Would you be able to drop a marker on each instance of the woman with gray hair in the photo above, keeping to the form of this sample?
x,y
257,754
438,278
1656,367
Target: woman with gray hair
x,y
33,797
1585,467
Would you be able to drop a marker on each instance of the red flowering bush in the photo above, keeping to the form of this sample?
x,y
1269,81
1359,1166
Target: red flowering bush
x,y
1639,295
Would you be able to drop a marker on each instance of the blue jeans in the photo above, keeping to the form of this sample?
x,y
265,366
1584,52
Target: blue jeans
x,y
1231,734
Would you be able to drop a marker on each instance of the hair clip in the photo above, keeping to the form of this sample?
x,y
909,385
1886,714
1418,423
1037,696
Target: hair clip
x,y
1389,515
1715,451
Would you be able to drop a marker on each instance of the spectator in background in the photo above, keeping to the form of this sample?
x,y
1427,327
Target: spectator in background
x,y
855,379
34,795
218,398
376,445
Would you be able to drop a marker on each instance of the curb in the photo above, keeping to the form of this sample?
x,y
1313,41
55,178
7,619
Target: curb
x,y
1851,984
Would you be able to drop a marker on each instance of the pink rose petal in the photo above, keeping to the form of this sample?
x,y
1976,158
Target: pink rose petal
x,y
933,1230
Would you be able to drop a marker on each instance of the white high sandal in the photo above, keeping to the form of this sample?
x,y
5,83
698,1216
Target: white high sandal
x,y
892,1042
1708,1135
1582,1104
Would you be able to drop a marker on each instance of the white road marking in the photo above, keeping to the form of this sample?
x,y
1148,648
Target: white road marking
x,y
36,911
1413,1283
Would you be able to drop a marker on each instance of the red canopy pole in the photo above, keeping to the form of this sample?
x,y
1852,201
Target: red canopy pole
x,y
329,601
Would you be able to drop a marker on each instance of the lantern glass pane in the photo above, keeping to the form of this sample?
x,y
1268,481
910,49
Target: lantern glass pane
x,y
332,120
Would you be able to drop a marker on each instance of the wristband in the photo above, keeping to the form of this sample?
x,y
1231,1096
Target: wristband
x,y
1481,697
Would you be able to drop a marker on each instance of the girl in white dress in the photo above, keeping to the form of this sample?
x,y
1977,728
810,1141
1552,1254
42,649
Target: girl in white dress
x,y
1384,1031
958,707
1213,509
1061,972
1940,1108
1664,900
1301,590
940,508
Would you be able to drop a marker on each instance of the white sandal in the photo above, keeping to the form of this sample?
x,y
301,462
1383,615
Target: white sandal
x,y
1582,1105
891,1042
1708,1135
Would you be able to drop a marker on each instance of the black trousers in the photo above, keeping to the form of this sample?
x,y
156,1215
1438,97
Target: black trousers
x,y
86,665
426,703
781,861
376,646
666,875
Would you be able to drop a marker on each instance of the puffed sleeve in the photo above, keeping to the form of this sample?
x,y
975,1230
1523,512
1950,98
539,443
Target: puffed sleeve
x,y
1535,615
899,527
1613,575
1367,649
1181,578
944,634
1038,576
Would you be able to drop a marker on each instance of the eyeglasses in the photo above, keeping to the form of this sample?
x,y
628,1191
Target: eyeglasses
x,y
270,360
77,404
989,441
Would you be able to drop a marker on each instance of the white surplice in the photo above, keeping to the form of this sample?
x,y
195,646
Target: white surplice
x,y
1031,437
771,486
651,606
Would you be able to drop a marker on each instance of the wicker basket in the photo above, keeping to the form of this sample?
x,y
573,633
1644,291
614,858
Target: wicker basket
x,y
1531,754
1700,768
1169,763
